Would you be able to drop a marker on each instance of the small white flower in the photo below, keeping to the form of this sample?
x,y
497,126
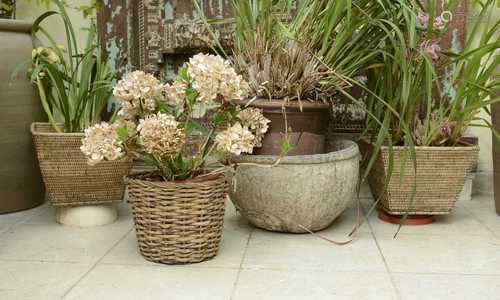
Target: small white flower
x,y
214,77
255,120
176,94
136,91
159,135
236,140
101,142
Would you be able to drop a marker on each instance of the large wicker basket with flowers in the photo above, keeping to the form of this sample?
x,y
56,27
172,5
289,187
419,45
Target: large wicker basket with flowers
x,y
178,207
68,178
178,222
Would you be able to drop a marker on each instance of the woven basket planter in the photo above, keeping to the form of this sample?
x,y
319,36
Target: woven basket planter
x,y
68,179
440,177
178,222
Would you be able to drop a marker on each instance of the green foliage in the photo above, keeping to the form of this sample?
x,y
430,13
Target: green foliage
x,y
72,83
312,51
421,105
7,8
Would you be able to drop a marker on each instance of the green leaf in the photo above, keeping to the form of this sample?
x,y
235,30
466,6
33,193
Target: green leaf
x,y
285,146
123,133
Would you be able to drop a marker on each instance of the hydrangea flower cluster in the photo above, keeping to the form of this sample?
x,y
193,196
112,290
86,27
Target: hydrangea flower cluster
x,y
236,139
176,93
253,119
155,118
138,91
214,77
102,142
159,135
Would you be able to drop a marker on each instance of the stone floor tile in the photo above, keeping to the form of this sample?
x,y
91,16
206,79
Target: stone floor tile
x,y
447,287
459,254
308,252
38,280
112,282
54,242
290,285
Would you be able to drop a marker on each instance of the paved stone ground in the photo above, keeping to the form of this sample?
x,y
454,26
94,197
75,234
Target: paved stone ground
x,y
457,257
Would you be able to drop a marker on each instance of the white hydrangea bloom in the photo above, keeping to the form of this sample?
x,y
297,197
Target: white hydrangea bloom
x,y
176,94
213,76
159,135
255,120
101,142
236,140
136,90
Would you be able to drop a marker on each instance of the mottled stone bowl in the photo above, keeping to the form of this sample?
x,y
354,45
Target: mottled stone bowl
x,y
301,193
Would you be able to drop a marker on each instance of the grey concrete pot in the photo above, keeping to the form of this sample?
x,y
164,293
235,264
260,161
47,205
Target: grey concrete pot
x,y
301,192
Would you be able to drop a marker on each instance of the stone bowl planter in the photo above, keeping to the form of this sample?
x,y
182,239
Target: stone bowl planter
x,y
301,193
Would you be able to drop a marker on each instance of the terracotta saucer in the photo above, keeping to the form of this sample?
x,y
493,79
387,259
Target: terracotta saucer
x,y
410,220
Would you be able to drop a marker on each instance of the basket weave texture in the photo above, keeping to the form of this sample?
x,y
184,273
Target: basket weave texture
x,y
68,178
440,177
178,222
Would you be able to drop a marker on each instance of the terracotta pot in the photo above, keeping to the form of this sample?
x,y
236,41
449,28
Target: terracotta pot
x,y
21,185
308,123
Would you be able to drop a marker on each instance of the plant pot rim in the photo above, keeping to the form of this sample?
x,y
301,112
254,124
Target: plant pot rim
x,y
14,25
433,148
348,150
276,103
35,125
209,180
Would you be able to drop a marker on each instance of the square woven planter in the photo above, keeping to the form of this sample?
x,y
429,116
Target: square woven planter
x,y
440,177
178,222
68,179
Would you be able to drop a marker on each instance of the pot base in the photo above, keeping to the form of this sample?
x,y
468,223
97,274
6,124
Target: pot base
x,y
410,220
86,216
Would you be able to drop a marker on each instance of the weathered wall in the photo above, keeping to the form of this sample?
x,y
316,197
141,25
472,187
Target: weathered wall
x,y
26,10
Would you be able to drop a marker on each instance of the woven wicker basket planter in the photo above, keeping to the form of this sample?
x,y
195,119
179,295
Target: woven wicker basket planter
x,y
178,222
440,177
68,179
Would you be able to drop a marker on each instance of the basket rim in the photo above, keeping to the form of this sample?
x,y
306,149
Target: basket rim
x,y
167,184
434,148
34,125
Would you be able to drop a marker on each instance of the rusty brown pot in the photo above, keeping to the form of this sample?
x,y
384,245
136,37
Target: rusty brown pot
x,y
307,123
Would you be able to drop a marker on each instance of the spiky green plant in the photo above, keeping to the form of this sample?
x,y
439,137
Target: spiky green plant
x,y
309,50
72,83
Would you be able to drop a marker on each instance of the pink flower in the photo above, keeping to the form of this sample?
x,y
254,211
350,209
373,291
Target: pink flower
x,y
423,19
439,23
446,128
433,49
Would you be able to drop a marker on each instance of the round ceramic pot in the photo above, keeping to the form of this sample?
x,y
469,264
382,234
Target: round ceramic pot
x,y
307,126
21,185
301,193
